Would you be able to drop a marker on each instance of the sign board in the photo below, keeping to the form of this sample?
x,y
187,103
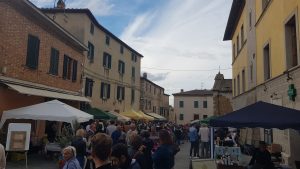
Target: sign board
x,y
18,137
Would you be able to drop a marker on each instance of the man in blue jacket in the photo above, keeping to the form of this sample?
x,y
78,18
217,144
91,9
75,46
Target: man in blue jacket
x,y
193,136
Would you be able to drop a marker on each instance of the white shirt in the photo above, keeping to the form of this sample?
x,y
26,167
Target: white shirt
x,y
204,133
110,129
2,157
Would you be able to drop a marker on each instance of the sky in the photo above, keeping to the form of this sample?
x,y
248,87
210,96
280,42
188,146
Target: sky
x,y
181,40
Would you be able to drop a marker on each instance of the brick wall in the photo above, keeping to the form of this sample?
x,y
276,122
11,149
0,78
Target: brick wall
x,y
222,105
15,25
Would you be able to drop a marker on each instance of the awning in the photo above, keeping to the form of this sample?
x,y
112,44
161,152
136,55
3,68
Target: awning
x,y
132,114
145,116
46,93
157,116
53,111
99,114
119,116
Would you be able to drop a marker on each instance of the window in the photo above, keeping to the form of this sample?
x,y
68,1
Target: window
x,y
234,88
133,57
243,81
132,96
91,52
120,93
121,67
238,85
67,67
33,48
265,4
242,35
121,49
196,104
105,91
204,104
154,109
196,116
204,116
54,60
106,60
181,117
233,52
133,73
267,67
74,71
92,28
89,87
107,39
237,44
181,104
291,43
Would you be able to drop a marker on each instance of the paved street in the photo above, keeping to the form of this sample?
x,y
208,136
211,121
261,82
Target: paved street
x,y
182,160
34,162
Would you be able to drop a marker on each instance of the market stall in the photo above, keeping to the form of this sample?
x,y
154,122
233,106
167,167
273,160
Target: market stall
x,y
101,115
132,114
145,116
53,111
119,116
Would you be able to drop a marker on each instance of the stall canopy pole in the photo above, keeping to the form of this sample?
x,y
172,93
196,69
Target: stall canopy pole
x,y
212,143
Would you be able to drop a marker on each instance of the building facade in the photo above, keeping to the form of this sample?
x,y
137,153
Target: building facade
x,y
153,98
193,105
111,76
39,61
266,63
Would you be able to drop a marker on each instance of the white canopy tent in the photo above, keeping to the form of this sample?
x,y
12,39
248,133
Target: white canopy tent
x,y
53,111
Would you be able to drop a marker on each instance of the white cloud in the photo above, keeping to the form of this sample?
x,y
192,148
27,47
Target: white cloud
x,y
183,35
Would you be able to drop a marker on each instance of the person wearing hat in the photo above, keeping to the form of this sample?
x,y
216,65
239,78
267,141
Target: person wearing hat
x,y
261,159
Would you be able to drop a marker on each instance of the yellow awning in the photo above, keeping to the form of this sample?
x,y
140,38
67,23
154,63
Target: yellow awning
x,y
132,114
145,116
46,93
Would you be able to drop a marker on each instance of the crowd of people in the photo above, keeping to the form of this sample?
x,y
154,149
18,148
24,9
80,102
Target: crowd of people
x,y
134,145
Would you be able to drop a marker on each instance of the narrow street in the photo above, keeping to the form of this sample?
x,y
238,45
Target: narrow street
x,y
182,160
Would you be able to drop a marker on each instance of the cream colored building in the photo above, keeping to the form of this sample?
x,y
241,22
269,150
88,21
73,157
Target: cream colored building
x,y
193,105
153,98
265,63
111,76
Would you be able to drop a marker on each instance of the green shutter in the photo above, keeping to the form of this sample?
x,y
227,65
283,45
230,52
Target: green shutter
x,y
33,48
65,68
74,71
102,90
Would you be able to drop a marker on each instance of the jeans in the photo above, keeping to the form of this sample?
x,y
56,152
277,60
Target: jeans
x,y
193,148
204,149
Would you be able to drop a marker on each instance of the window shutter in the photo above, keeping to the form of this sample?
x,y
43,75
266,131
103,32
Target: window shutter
x,y
52,61
65,68
86,90
123,93
102,90
91,87
118,92
74,71
109,61
32,52
119,67
123,67
104,59
108,91
56,62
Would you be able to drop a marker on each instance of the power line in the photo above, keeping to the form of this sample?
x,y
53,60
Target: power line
x,y
183,70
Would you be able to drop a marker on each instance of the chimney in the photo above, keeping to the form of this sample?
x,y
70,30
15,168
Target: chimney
x,y
61,4
181,91
145,75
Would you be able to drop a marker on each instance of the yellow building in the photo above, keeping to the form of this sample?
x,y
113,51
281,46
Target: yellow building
x,y
111,76
265,54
